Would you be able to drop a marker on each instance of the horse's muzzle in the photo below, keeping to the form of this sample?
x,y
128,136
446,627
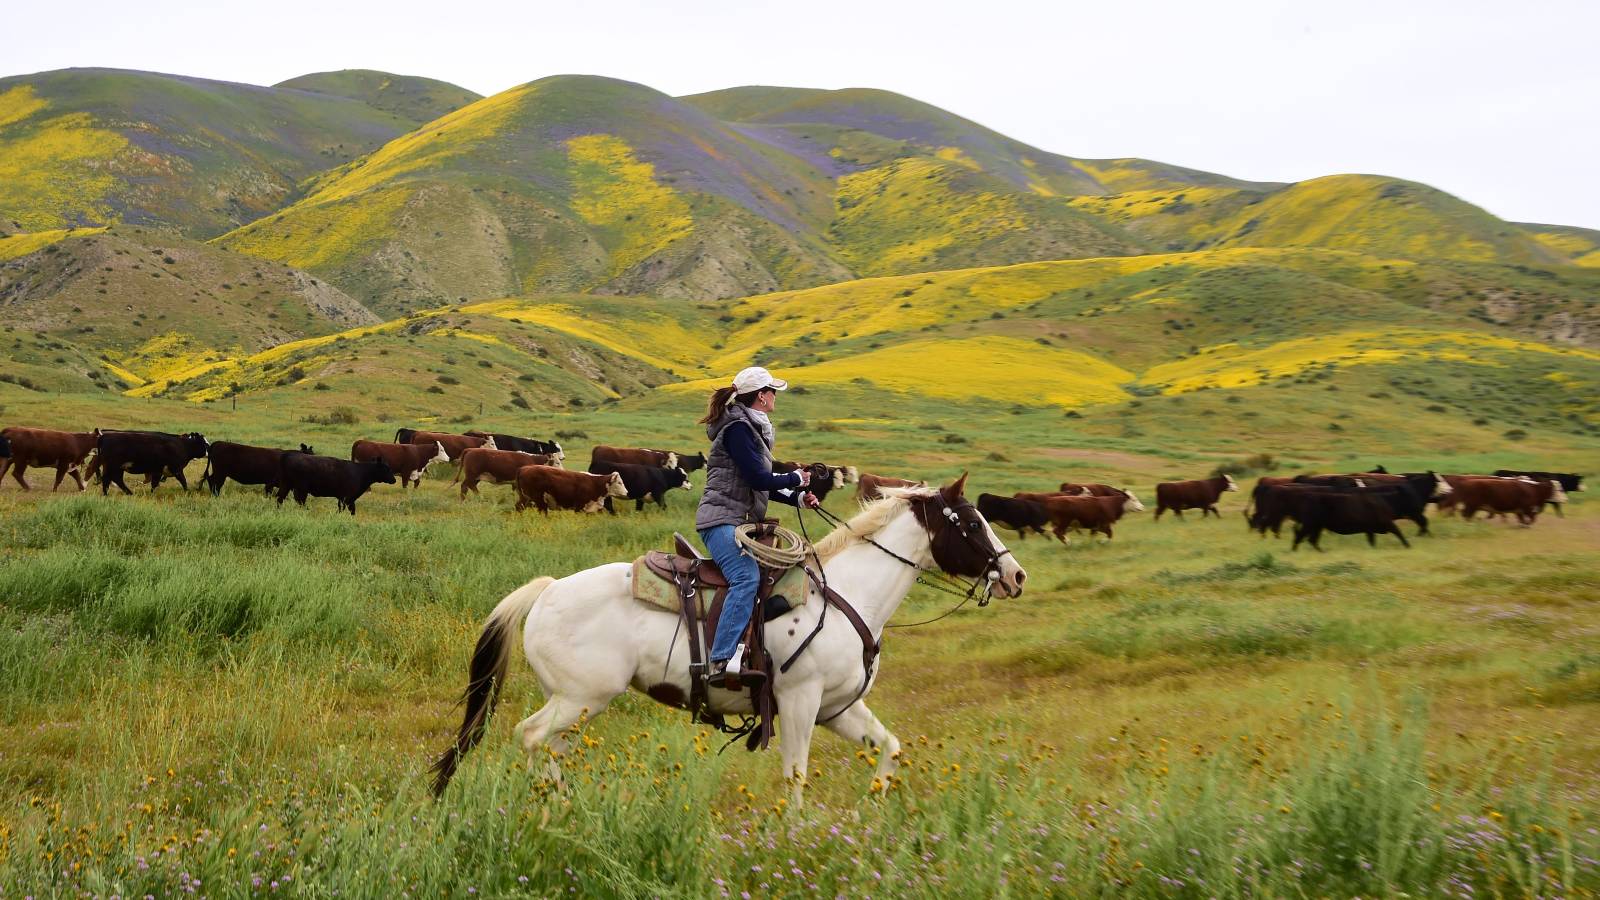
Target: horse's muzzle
x,y
1009,584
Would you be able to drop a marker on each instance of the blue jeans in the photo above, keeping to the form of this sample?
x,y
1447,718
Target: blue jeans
x,y
744,576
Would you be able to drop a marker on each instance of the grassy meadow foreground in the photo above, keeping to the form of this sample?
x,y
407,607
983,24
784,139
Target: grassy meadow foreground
x,y
220,697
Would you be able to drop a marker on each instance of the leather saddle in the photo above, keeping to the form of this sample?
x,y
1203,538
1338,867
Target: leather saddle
x,y
694,576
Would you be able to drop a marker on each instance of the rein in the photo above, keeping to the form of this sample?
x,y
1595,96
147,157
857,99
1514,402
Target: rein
x,y
949,584
871,648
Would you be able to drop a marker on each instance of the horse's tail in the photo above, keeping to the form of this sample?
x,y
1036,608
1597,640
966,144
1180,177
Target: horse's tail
x,y
486,674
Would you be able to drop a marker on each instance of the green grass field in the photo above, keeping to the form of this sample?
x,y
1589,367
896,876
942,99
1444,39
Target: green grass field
x,y
221,694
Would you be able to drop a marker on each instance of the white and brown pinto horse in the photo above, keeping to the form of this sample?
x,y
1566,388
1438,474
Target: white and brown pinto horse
x,y
588,640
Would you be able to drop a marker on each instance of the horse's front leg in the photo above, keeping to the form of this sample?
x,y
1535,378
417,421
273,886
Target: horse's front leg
x,y
797,718
859,726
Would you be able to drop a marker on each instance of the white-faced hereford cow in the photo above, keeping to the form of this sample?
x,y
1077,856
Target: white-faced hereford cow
x,y
498,466
547,486
1090,513
1200,494
407,461
154,454
244,464
1522,496
64,451
1569,482
305,475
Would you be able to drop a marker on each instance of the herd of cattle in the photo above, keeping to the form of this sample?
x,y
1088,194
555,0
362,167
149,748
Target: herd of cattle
x,y
534,467
1368,503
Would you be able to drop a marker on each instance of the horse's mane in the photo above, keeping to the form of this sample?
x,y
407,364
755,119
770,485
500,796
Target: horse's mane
x,y
872,518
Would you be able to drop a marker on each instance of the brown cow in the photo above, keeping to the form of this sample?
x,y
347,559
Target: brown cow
x,y
454,444
1200,494
499,466
638,456
547,486
42,447
1522,496
407,461
1093,513
1448,503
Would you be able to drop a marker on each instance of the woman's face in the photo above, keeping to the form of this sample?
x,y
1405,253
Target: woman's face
x,y
766,399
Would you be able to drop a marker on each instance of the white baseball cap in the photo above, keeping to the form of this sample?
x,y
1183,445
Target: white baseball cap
x,y
754,379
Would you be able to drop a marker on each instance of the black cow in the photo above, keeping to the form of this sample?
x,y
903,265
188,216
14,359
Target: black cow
x,y
1272,503
1568,481
244,464
692,463
643,482
5,447
512,442
324,476
403,435
1014,512
824,478
1404,502
1340,513
152,453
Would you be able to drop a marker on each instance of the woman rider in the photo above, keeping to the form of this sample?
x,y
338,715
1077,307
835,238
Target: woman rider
x,y
739,481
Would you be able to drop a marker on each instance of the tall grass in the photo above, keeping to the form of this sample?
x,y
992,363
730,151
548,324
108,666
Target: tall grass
x,y
1349,806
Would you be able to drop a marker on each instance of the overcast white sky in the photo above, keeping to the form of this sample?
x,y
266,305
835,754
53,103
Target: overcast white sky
x,y
1496,102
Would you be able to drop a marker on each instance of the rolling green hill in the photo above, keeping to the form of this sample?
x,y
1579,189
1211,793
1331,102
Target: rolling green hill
x,y
420,100
99,146
129,306
1365,213
1579,245
1079,335
812,115
568,183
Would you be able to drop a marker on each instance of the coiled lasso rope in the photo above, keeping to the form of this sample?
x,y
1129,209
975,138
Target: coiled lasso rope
x,y
791,549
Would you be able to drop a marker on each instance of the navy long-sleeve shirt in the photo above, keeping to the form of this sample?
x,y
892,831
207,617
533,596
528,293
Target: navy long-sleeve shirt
x,y
744,446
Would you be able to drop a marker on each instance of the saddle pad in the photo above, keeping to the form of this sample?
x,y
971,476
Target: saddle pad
x,y
648,587
791,586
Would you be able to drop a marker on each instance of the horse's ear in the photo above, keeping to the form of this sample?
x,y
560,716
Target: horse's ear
x,y
953,491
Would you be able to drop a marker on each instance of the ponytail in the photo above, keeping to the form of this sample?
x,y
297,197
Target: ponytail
x,y
719,401
722,398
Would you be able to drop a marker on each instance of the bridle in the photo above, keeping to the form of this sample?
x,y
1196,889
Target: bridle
x,y
942,581
938,579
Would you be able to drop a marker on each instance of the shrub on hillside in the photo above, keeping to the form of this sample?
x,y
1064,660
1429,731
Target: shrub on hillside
x,y
1250,465
339,415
